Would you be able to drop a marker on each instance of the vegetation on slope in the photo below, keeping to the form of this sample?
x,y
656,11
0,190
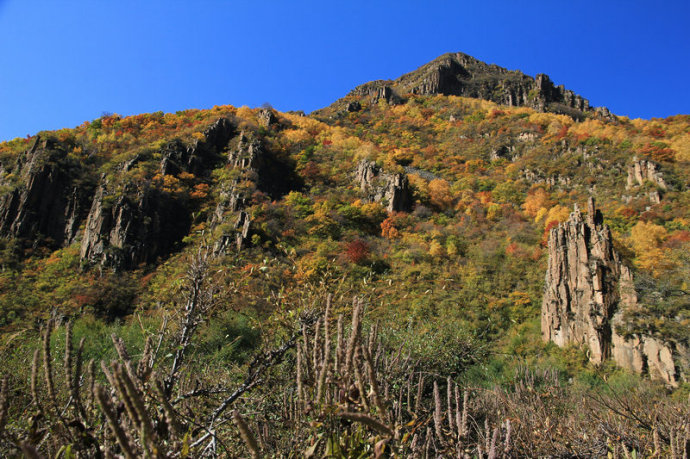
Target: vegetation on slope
x,y
456,283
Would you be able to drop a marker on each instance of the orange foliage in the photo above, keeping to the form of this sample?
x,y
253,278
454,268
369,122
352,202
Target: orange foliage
x,y
388,229
536,199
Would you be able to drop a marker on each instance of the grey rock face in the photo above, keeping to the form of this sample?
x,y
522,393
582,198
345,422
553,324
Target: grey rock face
x,y
134,223
132,226
380,186
587,291
461,75
50,199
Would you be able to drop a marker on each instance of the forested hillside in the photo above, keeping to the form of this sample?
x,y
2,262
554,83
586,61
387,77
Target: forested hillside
x,y
223,248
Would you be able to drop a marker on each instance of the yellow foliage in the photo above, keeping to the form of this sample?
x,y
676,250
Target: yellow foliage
x,y
439,194
343,141
297,136
557,213
647,235
681,144
646,239
535,201
245,113
436,249
493,212
400,155
367,150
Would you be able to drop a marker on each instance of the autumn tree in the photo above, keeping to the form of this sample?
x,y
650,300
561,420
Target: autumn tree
x,y
439,194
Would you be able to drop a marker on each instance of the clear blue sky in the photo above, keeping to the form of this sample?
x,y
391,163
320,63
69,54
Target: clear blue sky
x,y
63,62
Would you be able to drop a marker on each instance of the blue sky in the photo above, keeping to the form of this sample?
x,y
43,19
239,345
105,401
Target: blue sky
x,y
64,62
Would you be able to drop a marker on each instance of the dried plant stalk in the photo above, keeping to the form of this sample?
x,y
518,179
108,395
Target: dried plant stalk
x,y
463,422
354,335
438,415
418,401
74,387
114,423
368,421
316,349
299,375
246,434
326,351
339,351
34,381
48,367
4,403
170,415
374,385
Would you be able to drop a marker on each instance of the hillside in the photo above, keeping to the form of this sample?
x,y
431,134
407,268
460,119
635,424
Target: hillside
x,y
436,200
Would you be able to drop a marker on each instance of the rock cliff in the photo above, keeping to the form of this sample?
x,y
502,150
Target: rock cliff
x,y
46,195
130,226
587,291
391,189
131,221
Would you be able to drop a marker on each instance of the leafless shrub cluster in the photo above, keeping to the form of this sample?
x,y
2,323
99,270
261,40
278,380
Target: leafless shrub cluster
x,y
333,388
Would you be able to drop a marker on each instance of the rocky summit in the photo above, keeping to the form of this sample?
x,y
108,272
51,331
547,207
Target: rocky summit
x,y
458,74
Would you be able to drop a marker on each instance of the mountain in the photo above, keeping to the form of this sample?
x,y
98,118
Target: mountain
x,y
462,260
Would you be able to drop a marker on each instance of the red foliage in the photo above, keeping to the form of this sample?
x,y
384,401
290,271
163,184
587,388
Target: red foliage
x,y
658,151
628,212
547,229
357,251
677,239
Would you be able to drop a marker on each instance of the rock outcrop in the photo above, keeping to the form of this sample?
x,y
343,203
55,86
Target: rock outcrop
x,y
246,160
130,226
461,75
378,186
587,291
641,171
199,157
267,118
46,195
131,221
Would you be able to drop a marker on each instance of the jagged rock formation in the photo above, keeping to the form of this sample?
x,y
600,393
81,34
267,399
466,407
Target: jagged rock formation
x,y
200,155
131,226
375,91
587,291
461,75
642,170
247,159
48,197
380,186
267,118
133,222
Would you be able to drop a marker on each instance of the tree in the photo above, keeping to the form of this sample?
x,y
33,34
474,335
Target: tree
x,y
439,194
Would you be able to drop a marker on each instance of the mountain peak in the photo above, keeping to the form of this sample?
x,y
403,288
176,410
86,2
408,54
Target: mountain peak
x,y
459,74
